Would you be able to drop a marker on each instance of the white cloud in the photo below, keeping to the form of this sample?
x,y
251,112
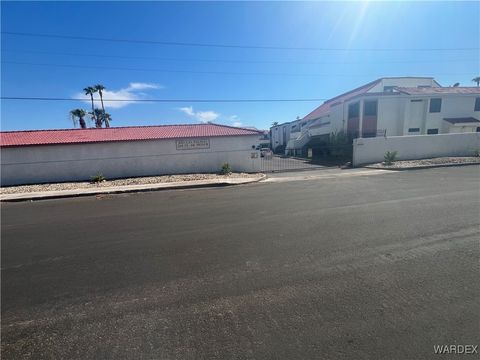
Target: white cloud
x,y
188,110
129,95
143,86
237,124
202,116
206,116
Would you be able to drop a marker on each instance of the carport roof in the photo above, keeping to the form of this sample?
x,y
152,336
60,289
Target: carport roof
x,y
133,133
462,120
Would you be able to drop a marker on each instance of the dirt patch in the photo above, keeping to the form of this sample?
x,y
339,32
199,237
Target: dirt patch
x,y
406,164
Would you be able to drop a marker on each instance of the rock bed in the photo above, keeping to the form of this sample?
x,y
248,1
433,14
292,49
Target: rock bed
x,y
401,164
120,182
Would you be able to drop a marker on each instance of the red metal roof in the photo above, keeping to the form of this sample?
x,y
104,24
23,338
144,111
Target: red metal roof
x,y
439,90
133,133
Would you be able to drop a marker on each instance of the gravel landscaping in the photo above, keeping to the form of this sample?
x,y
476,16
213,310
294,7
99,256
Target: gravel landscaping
x,y
121,182
406,164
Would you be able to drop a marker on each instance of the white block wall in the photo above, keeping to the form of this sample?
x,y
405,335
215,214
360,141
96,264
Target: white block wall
x,y
372,150
77,162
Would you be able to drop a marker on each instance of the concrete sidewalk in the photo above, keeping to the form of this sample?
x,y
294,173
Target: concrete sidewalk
x,y
321,174
129,188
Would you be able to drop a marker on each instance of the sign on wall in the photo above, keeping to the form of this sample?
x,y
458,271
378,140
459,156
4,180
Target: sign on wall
x,y
192,144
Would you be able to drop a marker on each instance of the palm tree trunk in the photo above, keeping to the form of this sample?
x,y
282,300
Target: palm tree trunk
x,y
83,125
93,110
103,108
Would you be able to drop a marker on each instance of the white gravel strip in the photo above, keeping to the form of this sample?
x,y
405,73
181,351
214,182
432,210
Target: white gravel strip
x,y
451,160
123,182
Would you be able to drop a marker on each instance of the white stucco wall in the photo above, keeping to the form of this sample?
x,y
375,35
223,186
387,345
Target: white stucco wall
x,y
452,106
277,133
394,113
390,114
277,136
372,150
75,162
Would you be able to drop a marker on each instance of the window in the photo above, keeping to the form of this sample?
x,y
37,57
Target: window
x,y
435,105
414,130
477,104
388,88
432,131
370,108
353,110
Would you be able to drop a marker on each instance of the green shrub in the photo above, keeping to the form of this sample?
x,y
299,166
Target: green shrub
x,y
476,153
225,169
390,157
98,178
338,138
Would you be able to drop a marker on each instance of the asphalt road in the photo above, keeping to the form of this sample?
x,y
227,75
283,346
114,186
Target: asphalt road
x,y
366,267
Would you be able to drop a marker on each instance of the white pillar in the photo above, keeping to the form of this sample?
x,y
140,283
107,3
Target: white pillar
x,y
360,121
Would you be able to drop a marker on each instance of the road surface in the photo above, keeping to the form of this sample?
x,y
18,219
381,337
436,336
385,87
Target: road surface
x,y
367,267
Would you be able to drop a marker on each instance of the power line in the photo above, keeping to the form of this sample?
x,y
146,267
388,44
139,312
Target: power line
x,y
161,100
196,71
192,44
436,60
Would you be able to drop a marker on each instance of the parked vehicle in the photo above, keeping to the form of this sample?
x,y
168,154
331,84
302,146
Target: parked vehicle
x,y
266,152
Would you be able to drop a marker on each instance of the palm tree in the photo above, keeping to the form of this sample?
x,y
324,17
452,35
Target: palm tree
x,y
80,114
97,114
476,80
90,90
107,118
100,88
101,118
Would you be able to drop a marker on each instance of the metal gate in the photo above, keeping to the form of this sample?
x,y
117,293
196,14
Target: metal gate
x,y
277,163
320,156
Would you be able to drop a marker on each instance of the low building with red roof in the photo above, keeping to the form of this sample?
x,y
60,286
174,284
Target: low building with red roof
x,y
41,156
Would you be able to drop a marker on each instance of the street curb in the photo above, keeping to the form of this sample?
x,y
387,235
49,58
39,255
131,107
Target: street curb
x,y
302,169
106,191
420,167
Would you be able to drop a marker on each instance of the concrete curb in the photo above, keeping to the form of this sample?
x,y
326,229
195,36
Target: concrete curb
x,y
127,189
302,169
419,167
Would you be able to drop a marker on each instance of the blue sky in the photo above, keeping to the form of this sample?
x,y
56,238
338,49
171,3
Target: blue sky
x,y
132,70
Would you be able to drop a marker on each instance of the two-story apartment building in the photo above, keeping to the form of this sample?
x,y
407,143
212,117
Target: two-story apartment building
x,y
281,134
392,107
